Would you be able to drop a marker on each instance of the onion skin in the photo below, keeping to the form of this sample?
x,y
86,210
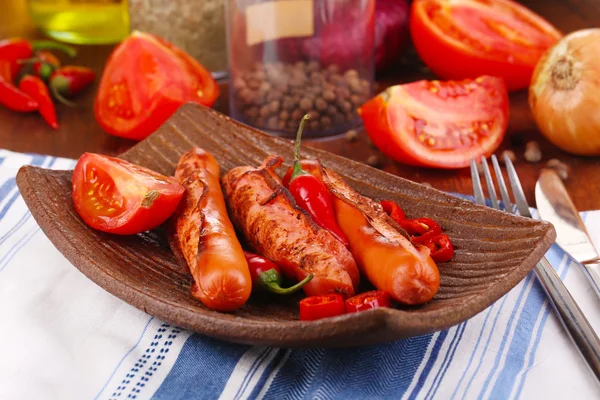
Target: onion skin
x,y
564,95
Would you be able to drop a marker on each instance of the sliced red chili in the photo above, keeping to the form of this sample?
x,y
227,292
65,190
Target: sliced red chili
x,y
441,248
392,209
317,307
367,301
421,230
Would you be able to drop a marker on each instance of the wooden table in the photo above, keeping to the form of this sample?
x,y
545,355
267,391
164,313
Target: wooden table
x,y
79,131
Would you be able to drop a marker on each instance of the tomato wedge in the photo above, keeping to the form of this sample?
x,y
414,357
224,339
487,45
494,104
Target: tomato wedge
x,y
317,307
116,196
438,124
368,300
144,82
469,38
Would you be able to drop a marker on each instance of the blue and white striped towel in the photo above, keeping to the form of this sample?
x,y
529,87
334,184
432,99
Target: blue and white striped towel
x,y
63,337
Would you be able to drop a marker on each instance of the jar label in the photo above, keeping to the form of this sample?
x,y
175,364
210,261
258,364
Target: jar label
x,y
279,19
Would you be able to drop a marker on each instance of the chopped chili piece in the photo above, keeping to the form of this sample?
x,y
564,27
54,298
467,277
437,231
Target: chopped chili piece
x,y
367,301
441,248
421,230
317,307
392,209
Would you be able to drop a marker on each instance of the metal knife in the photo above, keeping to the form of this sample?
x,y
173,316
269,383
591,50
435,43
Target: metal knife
x,y
556,207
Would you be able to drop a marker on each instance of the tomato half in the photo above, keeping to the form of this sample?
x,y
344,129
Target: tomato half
x,y
368,300
116,196
438,124
469,38
144,82
317,307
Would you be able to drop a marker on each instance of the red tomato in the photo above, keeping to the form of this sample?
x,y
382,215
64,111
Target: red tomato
x,y
116,196
470,38
438,124
368,300
317,307
144,82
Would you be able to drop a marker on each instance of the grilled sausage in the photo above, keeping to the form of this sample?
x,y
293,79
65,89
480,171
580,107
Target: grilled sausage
x,y
386,256
276,228
204,235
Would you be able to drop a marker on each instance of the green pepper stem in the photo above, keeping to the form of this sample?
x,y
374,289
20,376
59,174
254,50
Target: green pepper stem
x,y
270,280
55,87
50,45
297,166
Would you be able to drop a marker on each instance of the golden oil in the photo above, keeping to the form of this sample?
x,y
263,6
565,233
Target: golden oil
x,y
82,21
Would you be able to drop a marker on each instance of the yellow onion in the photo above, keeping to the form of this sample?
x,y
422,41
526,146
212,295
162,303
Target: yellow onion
x,y
564,95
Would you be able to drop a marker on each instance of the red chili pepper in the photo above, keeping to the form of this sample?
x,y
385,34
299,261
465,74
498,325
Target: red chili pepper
x,y
15,49
44,64
10,96
36,88
69,80
393,210
441,248
421,230
367,301
312,195
317,307
267,275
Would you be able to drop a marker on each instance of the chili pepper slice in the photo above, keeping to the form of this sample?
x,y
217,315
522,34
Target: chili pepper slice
x,y
367,301
10,96
392,209
441,248
312,195
69,80
15,49
36,88
317,307
421,230
267,275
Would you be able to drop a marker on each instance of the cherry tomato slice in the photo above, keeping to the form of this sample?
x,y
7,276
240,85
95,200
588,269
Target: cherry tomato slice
x,y
317,307
367,301
146,79
438,124
468,38
392,209
116,196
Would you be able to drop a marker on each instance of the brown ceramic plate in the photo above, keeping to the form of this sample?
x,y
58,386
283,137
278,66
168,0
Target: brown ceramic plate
x,y
494,250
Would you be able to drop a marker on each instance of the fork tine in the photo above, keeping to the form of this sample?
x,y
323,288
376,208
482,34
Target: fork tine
x,y
490,183
477,190
517,189
501,184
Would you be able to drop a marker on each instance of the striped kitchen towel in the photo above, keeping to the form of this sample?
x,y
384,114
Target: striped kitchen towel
x,y
63,337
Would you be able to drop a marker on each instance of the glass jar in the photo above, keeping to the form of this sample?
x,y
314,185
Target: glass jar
x,y
288,58
82,21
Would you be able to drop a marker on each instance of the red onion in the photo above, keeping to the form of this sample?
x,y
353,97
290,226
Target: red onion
x,y
391,31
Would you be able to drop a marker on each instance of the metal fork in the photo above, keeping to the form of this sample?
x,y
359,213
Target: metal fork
x,y
569,314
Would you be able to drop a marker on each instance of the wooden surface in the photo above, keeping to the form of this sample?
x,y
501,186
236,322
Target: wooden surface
x,y
79,131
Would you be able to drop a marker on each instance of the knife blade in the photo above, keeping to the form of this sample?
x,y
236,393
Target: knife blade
x,y
555,206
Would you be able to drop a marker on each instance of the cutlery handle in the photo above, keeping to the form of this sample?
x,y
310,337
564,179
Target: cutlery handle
x,y
570,315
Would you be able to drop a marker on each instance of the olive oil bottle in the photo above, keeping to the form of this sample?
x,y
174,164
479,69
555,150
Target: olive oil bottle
x,y
81,21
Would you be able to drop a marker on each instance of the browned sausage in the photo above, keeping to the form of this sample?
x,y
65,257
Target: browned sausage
x,y
277,229
203,233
